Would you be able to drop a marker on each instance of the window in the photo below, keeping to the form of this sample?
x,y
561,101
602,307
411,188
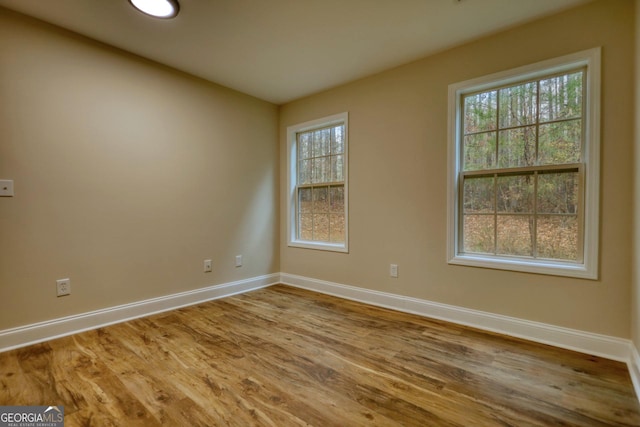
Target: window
x,y
318,191
524,168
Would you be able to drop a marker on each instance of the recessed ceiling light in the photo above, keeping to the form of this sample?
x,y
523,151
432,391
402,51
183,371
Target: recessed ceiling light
x,y
157,8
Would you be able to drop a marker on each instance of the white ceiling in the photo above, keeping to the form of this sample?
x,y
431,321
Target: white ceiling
x,y
280,50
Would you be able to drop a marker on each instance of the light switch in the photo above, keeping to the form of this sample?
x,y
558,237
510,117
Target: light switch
x,y
6,188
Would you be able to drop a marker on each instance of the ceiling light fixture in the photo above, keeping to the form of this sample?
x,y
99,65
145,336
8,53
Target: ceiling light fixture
x,y
157,8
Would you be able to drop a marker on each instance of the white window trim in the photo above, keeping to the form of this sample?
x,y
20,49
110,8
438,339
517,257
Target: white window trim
x,y
588,269
292,131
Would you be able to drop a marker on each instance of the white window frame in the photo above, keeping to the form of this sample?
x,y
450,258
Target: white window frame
x,y
588,267
292,203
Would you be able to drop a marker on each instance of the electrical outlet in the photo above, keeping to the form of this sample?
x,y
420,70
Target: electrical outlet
x,y
63,287
207,266
393,270
6,188
238,260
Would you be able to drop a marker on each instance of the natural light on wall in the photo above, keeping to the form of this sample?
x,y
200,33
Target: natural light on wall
x,y
157,8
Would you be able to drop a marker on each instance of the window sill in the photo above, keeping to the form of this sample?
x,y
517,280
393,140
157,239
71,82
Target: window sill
x,y
580,271
331,247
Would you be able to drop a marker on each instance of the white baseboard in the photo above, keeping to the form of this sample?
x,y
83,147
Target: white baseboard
x,y
598,345
634,369
584,342
43,331
614,348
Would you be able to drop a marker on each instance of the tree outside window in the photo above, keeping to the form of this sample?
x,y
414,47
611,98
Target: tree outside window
x,y
524,168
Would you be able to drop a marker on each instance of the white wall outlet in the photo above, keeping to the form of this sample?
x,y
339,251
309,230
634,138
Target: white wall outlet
x,y
208,266
238,260
63,287
393,270
6,188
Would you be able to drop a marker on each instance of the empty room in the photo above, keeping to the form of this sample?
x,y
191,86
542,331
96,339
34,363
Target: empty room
x,y
320,213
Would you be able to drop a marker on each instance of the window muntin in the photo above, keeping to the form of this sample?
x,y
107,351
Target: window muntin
x,y
524,168
318,183
528,213
521,161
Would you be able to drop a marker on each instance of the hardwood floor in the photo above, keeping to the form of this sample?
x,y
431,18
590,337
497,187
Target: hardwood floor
x,y
286,357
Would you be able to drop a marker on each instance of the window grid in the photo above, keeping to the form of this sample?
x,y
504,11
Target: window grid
x,y
533,171
320,220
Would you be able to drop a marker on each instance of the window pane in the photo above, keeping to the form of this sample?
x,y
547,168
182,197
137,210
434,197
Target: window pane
x,y
560,142
304,172
304,200
515,235
558,237
478,195
515,194
518,105
321,140
337,168
320,199
561,97
319,183
337,199
478,233
304,146
480,112
337,228
558,192
522,142
517,147
337,140
321,169
479,151
321,227
306,227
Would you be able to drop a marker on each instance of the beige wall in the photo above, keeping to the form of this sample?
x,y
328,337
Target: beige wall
x,y
398,174
127,176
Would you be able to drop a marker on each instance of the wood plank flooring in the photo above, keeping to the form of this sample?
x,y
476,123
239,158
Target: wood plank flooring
x,y
287,357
